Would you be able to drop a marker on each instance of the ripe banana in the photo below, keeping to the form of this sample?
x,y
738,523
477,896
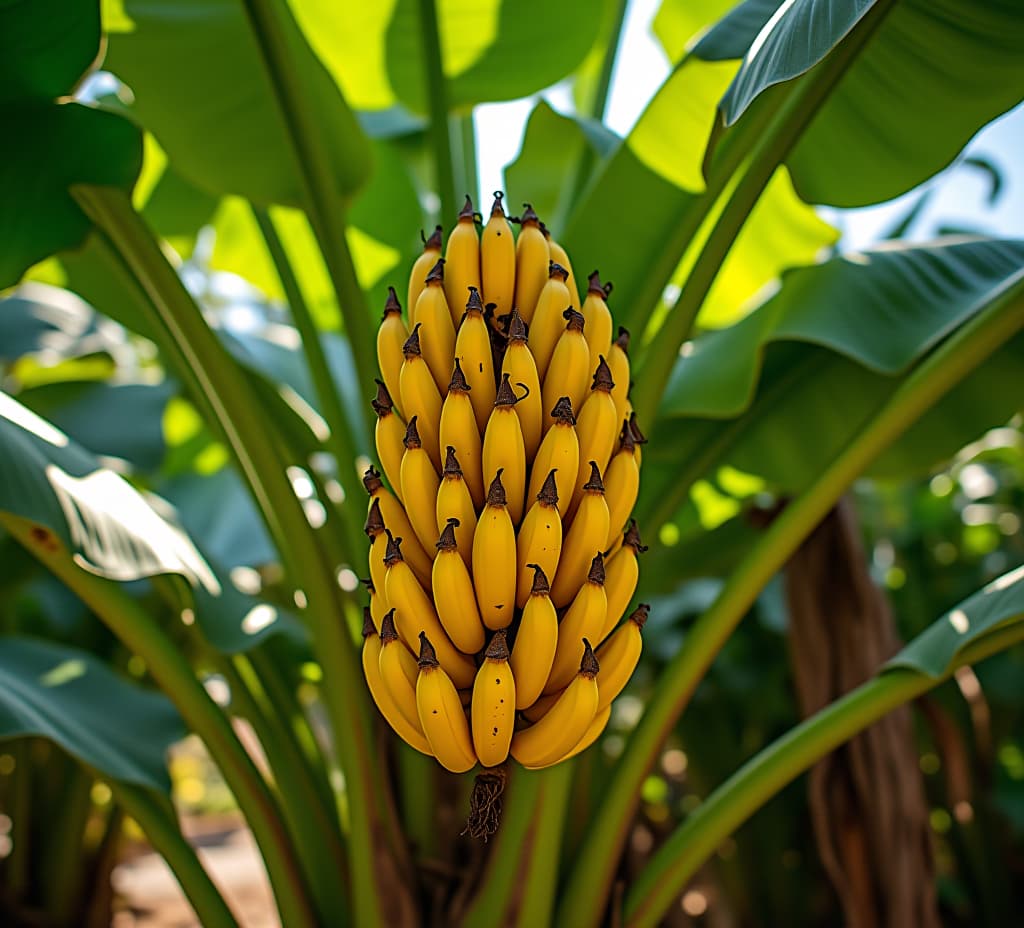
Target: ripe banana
x,y
473,350
419,487
621,577
536,640
584,619
558,254
420,396
597,429
411,735
532,259
539,542
498,259
548,322
493,709
459,430
565,723
569,373
559,451
414,613
391,515
591,735
584,539
621,485
618,363
454,598
398,670
378,601
420,269
389,436
438,332
619,656
454,502
462,261
441,713
391,335
521,370
599,320
504,449
494,559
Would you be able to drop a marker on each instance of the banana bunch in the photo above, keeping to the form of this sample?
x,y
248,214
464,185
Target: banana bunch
x,y
502,555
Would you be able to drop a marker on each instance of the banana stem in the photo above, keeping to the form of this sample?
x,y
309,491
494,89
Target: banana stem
x,y
157,822
341,440
953,360
729,806
437,100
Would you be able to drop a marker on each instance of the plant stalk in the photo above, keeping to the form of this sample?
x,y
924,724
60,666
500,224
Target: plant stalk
x,y
437,102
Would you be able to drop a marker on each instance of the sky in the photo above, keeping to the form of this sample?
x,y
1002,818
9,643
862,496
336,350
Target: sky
x,y
960,197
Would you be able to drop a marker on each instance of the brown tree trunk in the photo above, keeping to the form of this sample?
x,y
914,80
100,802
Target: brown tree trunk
x,y
867,799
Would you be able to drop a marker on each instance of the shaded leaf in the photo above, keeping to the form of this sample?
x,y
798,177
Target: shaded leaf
x,y
69,697
677,22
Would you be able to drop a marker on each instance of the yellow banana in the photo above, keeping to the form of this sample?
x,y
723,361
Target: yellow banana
x,y
618,363
583,540
619,656
420,396
569,372
473,350
438,332
392,516
411,735
621,577
585,618
378,600
494,559
462,261
558,254
621,486
548,322
459,430
391,336
414,613
398,670
420,269
419,487
454,502
540,707
539,542
565,723
559,451
454,598
504,449
441,714
498,259
598,330
522,371
532,259
493,709
536,640
591,735
597,429
374,529
389,435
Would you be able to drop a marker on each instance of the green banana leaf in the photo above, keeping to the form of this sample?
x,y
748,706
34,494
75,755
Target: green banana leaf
x,y
76,701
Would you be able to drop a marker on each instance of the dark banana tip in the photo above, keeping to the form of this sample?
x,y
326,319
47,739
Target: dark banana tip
x,y
540,580
594,284
368,627
388,632
497,650
632,538
391,304
393,552
638,436
467,211
374,520
447,540
626,440
596,572
451,463
496,491
497,208
412,343
548,494
382,403
474,301
603,376
436,275
562,411
529,215
574,320
516,328
428,656
412,435
371,480
639,615
556,270
589,666
458,381
622,340
595,482
505,396
434,242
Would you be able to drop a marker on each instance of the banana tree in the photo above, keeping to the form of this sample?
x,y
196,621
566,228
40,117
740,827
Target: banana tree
x,y
165,154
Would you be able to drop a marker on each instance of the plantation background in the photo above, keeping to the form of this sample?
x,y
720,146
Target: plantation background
x,y
188,102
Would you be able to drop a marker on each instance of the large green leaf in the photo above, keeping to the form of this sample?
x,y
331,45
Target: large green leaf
x,y
933,74
45,46
69,697
50,147
201,86
104,525
544,172
677,22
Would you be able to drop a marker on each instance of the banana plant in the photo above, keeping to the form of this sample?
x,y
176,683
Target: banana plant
x,y
201,218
